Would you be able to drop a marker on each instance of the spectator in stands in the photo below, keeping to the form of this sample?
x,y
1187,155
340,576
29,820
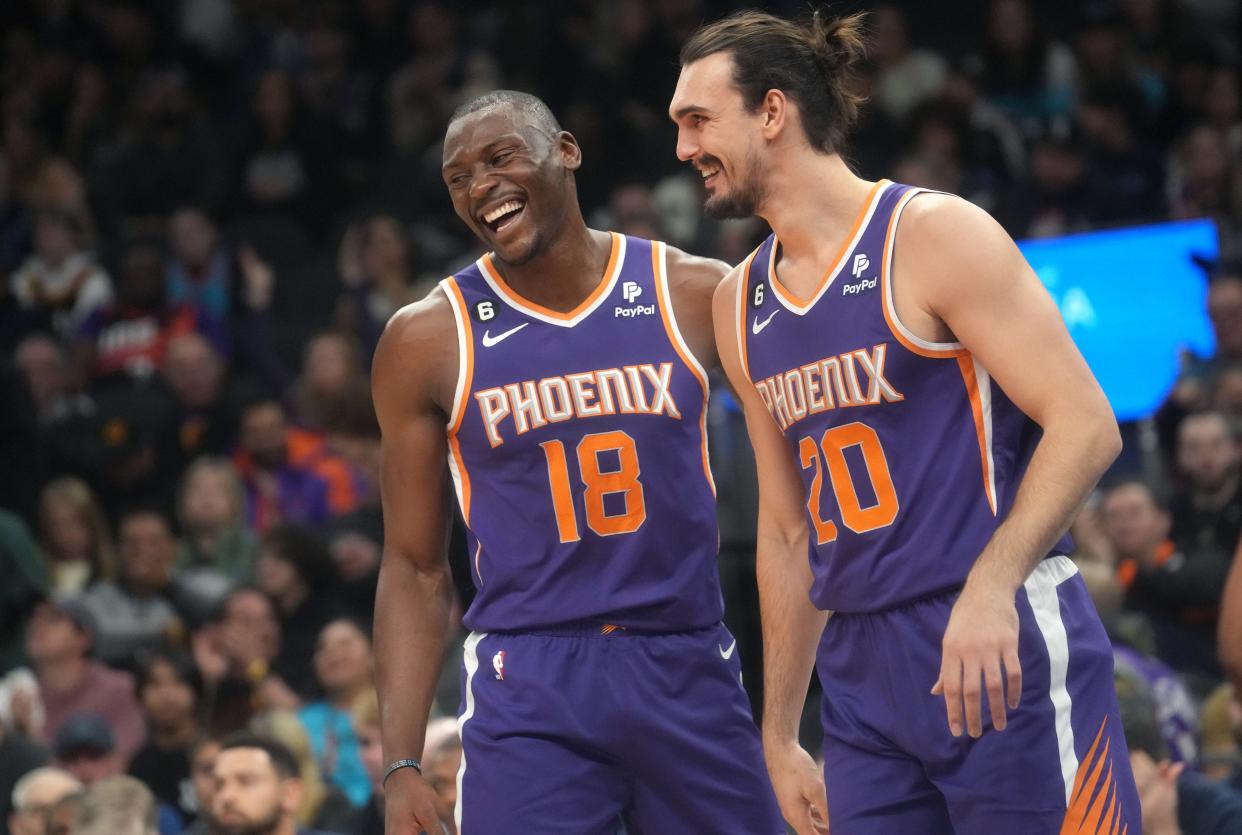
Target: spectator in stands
x,y
366,722
343,668
1179,590
1133,648
287,165
295,571
441,768
236,655
59,643
1229,634
1207,511
61,285
169,690
34,796
1174,801
202,777
375,266
288,474
45,364
1027,76
74,537
130,337
200,269
23,584
203,419
905,75
1224,308
332,371
121,805
19,757
211,510
86,748
322,805
258,788
148,603
168,156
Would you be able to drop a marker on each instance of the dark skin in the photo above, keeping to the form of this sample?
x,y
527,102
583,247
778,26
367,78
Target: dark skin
x,y
548,255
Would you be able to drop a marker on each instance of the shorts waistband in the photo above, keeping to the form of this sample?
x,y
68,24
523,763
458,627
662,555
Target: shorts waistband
x,y
599,629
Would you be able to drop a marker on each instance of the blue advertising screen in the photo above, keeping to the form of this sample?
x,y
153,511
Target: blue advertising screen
x,y
1133,300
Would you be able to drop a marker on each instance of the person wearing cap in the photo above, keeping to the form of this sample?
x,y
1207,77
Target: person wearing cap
x,y
36,794
86,748
59,639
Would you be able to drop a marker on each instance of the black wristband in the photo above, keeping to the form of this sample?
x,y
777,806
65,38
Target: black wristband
x,y
399,764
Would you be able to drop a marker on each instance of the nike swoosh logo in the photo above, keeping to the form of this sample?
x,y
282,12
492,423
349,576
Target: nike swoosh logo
x,y
489,340
756,327
726,654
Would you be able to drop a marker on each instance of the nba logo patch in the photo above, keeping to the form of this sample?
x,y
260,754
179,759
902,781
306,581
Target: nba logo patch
x,y
498,664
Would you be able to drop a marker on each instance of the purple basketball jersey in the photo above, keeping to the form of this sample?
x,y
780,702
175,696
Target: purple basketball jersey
x,y
578,452
909,452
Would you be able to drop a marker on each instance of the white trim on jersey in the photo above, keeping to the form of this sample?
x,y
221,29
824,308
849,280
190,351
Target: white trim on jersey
x,y
517,303
887,273
984,381
791,304
471,659
661,280
1041,593
739,313
459,392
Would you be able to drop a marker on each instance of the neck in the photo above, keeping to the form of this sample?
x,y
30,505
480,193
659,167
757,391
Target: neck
x,y
293,597
178,736
566,271
344,698
813,199
1215,498
64,674
287,826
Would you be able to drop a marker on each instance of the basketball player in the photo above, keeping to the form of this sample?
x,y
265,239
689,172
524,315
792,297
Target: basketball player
x,y
924,426
559,380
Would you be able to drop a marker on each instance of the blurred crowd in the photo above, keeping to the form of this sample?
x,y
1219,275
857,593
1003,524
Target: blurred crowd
x,y
210,208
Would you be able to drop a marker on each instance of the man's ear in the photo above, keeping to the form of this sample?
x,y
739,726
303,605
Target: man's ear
x,y
291,795
571,153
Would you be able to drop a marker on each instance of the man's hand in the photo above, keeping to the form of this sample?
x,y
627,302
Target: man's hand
x,y
1157,790
981,638
410,805
799,787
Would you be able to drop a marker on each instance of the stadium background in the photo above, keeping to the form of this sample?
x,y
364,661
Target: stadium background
x,y
209,208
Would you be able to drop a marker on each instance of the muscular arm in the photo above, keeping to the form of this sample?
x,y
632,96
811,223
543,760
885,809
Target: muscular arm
x,y
415,586
692,282
957,275
791,624
972,277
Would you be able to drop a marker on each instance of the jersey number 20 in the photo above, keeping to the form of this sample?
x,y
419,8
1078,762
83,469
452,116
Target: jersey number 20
x,y
597,484
857,518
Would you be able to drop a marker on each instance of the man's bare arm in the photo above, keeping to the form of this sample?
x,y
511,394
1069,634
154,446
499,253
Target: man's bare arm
x,y
415,586
792,626
956,265
692,283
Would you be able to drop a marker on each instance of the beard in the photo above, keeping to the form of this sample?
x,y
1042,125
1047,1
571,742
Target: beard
x,y
743,200
263,826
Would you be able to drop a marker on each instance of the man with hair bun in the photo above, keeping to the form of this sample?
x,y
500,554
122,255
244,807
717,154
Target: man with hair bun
x,y
926,431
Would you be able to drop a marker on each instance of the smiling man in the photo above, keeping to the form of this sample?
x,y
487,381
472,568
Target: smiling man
x,y
560,380
924,431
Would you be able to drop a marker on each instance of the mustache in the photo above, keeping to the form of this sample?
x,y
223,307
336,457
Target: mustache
x,y
708,161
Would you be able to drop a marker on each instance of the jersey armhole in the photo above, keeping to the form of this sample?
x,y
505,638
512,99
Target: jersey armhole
x,y
910,340
465,351
743,286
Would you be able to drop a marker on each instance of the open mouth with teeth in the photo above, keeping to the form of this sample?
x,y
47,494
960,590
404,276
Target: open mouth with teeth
x,y
503,215
708,173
